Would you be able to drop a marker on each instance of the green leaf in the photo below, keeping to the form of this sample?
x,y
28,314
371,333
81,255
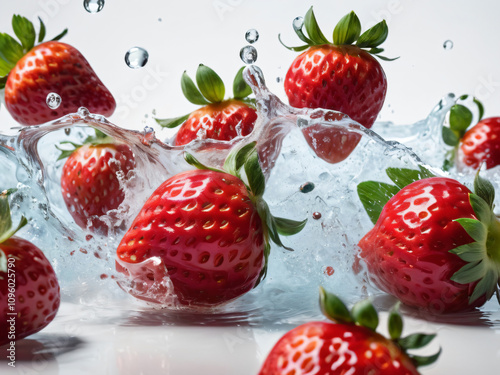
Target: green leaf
x,y
474,228
10,52
256,178
333,307
484,189
58,37
425,360
472,252
288,227
236,160
24,30
415,341
3,81
404,176
486,286
191,160
374,195
460,118
374,36
295,49
383,57
395,323
365,315
263,272
450,137
481,208
312,28
3,262
172,122
480,108
240,88
191,92
469,273
347,30
6,229
210,84
41,33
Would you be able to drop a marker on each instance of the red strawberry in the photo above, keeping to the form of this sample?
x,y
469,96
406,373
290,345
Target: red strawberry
x,y
481,144
29,291
338,76
208,229
435,244
30,73
218,118
349,346
92,179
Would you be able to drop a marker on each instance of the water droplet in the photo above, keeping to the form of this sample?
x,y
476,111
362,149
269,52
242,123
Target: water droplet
x,y
278,79
53,100
307,187
67,131
136,57
297,23
153,112
252,36
448,44
83,112
316,215
149,136
248,54
329,270
159,19
93,6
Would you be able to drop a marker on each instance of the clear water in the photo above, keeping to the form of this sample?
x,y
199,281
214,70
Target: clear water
x,y
136,57
299,185
248,54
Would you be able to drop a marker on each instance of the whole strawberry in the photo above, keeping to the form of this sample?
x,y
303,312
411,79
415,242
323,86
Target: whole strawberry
x,y
481,144
435,244
342,76
208,230
218,118
351,345
93,177
30,73
29,291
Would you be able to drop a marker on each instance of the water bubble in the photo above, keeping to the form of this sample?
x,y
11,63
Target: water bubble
x,y
53,100
136,57
448,44
248,54
297,23
148,136
252,36
306,187
159,20
93,6
67,131
83,112
316,215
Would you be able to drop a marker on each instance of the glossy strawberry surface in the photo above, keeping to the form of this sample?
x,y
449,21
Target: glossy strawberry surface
x,y
92,182
207,232
481,144
54,67
324,348
221,121
407,252
36,291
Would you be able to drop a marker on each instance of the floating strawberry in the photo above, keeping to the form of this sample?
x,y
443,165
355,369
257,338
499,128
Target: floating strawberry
x,y
29,291
93,177
351,345
210,231
435,244
342,76
30,73
218,118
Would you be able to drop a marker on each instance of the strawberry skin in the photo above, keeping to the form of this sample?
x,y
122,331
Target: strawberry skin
x,y
219,121
481,144
37,295
60,68
407,252
90,181
322,348
206,230
342,78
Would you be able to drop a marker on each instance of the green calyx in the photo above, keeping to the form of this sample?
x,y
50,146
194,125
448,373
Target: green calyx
x,y
209,89
364,314
346,32
11,50
244,164
97,139
459,121
6,228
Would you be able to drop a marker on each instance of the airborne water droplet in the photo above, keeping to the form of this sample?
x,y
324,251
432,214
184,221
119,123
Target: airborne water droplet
x,y
252,36
297,23
448,44
248,54
148,136
136,57
93,6
307,187
53,100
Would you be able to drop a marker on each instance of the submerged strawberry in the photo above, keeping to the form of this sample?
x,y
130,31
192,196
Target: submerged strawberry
x,y
351,345
435,244
30,73
341,76
29,291
218,118
93,178
208,230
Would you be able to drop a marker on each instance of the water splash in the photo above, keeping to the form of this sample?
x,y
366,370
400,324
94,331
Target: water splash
x,y
136,57
248,54
93,6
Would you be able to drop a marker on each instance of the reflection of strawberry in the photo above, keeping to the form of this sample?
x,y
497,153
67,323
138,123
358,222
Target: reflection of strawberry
x,y
30,73
93,177
435,245
338,76
349,346
29,291
210,230
218,118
